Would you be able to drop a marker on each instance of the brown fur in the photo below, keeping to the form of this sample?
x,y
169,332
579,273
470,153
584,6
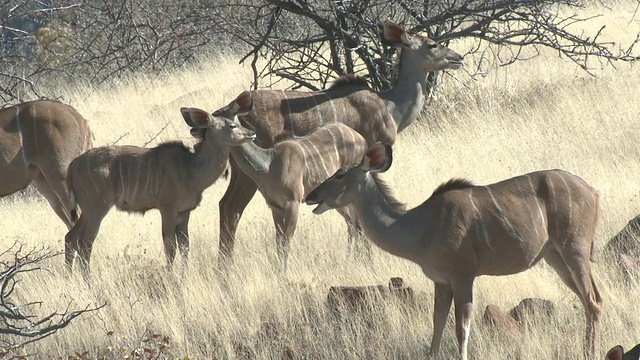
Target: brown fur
x,y
169,177
377,116
38,140
453,184
349,80
469,231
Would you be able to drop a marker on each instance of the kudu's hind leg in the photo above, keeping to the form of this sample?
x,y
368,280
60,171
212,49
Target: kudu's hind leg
x,y
239,192
55,191
91,227
71,242
574,268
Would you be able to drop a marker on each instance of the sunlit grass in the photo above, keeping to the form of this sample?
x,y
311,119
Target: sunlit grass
x,y
534,115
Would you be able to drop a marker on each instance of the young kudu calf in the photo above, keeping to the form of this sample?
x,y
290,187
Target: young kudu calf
x,y
377,116
169,177
38,140
463,231
287,172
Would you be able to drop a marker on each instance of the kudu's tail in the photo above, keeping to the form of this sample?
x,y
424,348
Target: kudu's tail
x,y
73,211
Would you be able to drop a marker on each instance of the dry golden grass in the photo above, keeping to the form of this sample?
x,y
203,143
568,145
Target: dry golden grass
x,y
534,115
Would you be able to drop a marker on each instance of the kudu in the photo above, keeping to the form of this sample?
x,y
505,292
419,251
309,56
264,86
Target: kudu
x,y
463,231
287,172
38,140
617,353
377,116
169,177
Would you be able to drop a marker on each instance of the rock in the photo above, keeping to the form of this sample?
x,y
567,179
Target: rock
x,y
533,309
362,297
503,323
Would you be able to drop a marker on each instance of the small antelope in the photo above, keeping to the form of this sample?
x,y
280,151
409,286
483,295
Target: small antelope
x,y
287,172
463,231
169,177
617,353
377,116
38,140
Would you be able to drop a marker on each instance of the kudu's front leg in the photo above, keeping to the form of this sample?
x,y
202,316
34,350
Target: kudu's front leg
x,y
240,191
169,226
182,235
442,304
285,221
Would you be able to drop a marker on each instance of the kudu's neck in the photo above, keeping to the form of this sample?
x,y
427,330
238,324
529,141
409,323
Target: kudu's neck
x,y
386,223
406,99
209,161
252,159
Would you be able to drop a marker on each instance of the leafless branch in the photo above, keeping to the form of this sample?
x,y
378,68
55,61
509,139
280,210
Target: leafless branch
x,y
20,326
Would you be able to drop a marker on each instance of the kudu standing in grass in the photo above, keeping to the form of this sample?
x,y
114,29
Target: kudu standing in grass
x,y
38,140
377,116
287,172
463,231
169,177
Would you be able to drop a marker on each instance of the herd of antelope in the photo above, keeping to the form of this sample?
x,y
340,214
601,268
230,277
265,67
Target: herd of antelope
x,y
324,148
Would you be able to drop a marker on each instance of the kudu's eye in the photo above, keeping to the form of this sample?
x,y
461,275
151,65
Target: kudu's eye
x,y
233,126
432,46
339,174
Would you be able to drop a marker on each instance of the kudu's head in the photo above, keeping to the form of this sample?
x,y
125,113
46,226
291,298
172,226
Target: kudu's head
x,y
226,128
434,57
343,187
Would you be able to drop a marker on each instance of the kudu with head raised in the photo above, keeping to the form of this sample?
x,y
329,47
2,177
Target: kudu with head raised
x,y
287,172
38,140
377,116
169,177
463,231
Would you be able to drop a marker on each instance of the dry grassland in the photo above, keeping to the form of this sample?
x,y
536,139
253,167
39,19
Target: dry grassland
x,y
540,114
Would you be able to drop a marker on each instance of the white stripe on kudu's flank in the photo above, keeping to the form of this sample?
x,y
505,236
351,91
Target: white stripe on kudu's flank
x,y
19,122
503,215
335,147
148,174
265,113
135,188
288,114
530,211
344,146
483,227
335,113
553,196
318,156
535,196
569,196
317,108
90,172
121,173
304,158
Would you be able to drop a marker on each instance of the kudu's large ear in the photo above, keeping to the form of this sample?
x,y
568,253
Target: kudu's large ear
x,y
616,353
396,35
242,104
377,158
195,117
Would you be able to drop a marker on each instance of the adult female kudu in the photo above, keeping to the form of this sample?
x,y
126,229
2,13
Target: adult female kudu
x,y
377,116
38,140
169,177
287,172
463,231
